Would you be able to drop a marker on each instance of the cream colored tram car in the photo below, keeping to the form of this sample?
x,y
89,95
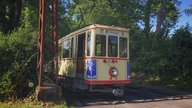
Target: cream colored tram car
x,y
95,58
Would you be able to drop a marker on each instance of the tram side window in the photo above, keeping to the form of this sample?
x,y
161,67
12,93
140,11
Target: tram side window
x,y
67,48
60,51
123,47
112,46
88,43
100,45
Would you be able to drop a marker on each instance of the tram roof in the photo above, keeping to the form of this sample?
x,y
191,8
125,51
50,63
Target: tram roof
x,y
93,26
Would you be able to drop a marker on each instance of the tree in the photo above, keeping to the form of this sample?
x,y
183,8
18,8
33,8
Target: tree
x,y
181,49
161,15
87,12
189,11
146,19
10,11
18,62
18,56
167,16
108,12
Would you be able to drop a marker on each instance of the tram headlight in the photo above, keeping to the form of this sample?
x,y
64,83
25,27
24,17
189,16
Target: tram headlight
x,y
113,72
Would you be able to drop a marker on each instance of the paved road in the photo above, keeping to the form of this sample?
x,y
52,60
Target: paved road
x,y
136,96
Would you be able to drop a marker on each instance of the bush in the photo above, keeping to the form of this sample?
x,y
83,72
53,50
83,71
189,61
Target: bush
x,y
18,62
167,57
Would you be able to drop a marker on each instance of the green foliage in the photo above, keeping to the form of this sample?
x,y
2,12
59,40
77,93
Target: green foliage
x,y
189,10
29,17
91,12
7,89
105,12
168,57
182,50
18,51
10,15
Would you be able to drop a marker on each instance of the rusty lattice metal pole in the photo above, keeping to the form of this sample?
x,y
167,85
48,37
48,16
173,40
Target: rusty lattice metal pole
x,y
55,36
47,59
48,38
41,33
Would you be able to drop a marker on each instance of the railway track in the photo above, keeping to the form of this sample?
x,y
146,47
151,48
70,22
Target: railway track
x,y
135,97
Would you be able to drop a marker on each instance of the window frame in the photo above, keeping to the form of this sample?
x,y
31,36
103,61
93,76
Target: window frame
x,y
88,43
105,45
70,49
117,47
120,52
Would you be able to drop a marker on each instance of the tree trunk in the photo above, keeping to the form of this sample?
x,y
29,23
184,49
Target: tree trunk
x,y
10,14
146,20
161,16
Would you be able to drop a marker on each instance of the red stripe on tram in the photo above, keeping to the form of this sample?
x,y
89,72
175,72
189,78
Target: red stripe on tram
x,y
107,58
91,82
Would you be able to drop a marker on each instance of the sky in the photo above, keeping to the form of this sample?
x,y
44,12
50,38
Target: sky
x,y
183,19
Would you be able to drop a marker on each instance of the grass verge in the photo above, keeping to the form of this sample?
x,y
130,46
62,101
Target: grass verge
x,y
178,82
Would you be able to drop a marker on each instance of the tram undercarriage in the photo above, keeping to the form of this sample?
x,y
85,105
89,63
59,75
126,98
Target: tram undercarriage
x,y
77,84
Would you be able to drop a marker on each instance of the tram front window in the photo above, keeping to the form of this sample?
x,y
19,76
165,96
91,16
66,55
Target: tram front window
x,y
123,47
112,46
100,45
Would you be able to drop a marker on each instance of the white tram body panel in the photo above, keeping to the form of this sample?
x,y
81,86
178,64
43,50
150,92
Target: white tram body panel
x,y
95,55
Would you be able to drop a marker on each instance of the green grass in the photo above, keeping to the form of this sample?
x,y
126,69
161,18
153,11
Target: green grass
x,y
21,104
179,82
5,105
31,102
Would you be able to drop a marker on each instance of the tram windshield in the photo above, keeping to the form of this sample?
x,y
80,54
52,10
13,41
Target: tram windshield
x,y
100,45
123,47
111,47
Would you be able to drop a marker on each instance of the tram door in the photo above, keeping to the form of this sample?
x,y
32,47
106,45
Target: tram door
x,y
80,56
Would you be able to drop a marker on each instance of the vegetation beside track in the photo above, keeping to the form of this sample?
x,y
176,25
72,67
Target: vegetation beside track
x,y
162,56
175,81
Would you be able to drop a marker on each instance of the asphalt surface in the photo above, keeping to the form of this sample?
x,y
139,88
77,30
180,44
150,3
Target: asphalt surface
x,y
136,96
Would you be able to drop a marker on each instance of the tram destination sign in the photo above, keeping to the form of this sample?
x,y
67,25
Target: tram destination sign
x,y
111,32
